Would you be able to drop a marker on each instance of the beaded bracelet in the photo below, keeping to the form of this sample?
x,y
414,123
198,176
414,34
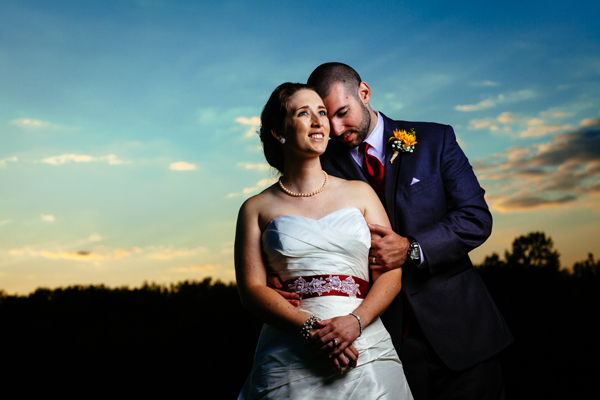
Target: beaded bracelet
x,y
308,325
359,322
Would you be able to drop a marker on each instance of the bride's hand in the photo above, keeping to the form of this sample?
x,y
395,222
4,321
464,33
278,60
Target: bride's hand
x,y
335,335
346,360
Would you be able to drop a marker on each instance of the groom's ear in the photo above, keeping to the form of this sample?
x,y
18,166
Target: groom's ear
x,y
364,92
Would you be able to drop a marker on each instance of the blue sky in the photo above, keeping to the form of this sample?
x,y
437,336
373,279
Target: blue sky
x,y
127,128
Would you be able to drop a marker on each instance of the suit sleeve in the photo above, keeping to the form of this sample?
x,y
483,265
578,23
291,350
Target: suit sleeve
x,y
465,221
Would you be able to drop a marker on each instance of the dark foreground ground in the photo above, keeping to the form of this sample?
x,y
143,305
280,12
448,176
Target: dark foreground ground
x,y
195,337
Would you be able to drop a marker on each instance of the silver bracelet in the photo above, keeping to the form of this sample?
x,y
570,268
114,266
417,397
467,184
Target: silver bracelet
x,y
308,325
359,322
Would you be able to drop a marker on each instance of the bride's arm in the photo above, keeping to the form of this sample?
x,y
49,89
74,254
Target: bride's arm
x,y
256,296
251,275
385,287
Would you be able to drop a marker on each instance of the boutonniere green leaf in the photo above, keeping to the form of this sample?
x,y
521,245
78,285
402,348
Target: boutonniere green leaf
x,y
403,141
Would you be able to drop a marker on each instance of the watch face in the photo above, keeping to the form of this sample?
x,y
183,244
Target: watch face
x,y
414,252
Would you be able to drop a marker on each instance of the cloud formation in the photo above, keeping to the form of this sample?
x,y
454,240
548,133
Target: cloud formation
x,y
81,255
257,166
260,185
48,218
485,83
253,124
564,170
524,127
500,99
182,166
112,159
195,268
170,253
3,161
474,107
31,123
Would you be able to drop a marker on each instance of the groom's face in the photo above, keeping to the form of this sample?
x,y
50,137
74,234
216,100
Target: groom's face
x,y
348,116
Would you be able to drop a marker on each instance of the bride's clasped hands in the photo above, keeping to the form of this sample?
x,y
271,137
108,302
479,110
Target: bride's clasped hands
x,y
333,338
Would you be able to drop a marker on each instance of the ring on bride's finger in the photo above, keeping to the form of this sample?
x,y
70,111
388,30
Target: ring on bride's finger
x,y
374,260
335,343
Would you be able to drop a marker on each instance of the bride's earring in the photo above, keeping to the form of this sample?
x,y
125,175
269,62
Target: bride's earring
x,y
282,140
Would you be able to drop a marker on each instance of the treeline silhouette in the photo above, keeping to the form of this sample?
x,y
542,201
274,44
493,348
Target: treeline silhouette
x,y
195,336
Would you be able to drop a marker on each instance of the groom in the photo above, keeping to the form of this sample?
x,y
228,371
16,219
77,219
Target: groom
x,y
445,325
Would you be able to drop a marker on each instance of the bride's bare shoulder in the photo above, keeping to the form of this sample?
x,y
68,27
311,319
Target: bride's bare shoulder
x,y
259,202
354,187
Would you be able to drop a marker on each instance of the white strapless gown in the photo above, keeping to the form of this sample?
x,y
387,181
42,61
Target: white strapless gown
x,y
284,366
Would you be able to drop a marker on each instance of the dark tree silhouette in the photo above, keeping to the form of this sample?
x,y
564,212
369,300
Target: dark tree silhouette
x,y
587,269
533,251
193,336
553,315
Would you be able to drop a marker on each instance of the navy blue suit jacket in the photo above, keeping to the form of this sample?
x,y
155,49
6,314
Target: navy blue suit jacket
x,y
446,213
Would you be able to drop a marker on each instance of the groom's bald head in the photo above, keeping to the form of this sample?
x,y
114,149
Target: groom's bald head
x,y
325,76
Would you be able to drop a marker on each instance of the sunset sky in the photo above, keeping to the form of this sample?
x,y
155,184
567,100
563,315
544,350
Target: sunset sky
x,y
128,128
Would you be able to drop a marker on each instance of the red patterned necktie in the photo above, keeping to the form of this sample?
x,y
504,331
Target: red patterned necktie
x,y
373,169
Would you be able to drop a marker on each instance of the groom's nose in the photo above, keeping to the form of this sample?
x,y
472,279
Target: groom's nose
x,y
336,127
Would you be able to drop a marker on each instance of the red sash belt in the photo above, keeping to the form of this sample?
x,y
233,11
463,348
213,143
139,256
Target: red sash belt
x,y
327,285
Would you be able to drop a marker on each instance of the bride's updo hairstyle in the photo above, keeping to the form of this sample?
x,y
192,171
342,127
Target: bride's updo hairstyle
x,y
273,118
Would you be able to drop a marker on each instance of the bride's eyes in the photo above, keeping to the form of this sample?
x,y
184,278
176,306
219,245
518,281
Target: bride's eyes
x,y
304,112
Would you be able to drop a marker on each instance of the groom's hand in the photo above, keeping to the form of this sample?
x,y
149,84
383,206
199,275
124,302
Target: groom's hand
x,y
389,250
274,283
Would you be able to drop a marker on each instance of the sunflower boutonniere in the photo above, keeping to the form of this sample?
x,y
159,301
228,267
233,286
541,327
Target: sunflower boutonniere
x,y
403,141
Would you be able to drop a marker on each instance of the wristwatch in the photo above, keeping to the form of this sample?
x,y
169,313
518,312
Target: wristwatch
x,y
414,253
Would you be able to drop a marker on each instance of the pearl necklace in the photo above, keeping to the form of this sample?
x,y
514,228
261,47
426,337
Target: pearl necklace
x,y
293,194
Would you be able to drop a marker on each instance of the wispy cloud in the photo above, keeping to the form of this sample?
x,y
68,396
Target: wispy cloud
x,y
479,106
257,166
261,185
564,170
31,123
253,123
500,99
524,127
182,166
81,255
3,161
542,129
556,114
195,268
48,218
485,84
590,122
228,247
111,159
170,253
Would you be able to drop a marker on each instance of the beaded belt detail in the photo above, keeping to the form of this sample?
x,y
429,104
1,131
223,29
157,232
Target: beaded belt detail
x,y
328,285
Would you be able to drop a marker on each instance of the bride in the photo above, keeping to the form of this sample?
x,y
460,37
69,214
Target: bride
x,y
311,230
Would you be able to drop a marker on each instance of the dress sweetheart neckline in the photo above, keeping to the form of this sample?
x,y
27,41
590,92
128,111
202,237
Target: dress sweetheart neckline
x,y
312,219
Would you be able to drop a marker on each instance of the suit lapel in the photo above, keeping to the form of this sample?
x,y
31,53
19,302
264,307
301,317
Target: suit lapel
x,y
391,174
347,166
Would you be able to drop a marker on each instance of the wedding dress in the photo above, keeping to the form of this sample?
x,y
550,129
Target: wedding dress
x,y
335,246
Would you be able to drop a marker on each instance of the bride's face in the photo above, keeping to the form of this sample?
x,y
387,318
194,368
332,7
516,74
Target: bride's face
x,y
307,126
